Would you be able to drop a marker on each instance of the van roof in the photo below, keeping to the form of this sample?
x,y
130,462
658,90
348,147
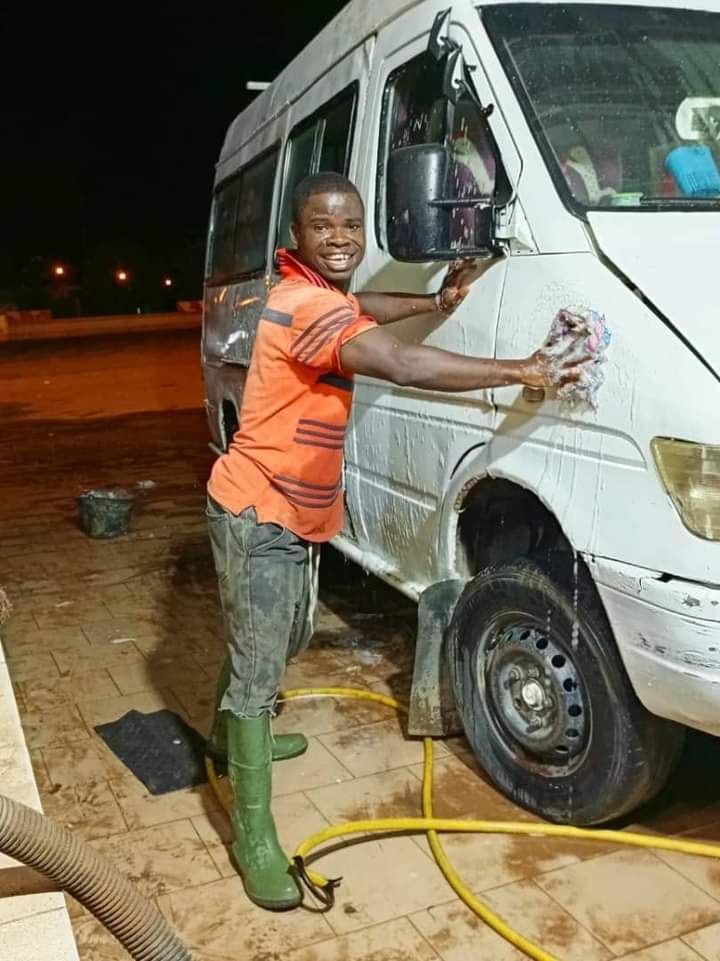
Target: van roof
x,y
349,29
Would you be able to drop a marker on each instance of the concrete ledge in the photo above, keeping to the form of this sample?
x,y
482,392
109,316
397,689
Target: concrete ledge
x,y
33,926
57,327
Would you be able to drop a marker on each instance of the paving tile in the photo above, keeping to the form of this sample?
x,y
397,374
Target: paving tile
x,y
668,951
702,871
95,943
376,747
36,641
218,923
314,669
616,897
315,768
382,879
706,941
112,630
389,794
462,790
89,810
392,941
296,818
41,695
47,937
198,699
144,675
82,762
71,663
32,667
457,934
59,725
27,905
323,715
161,859
109,709
487,861
142,809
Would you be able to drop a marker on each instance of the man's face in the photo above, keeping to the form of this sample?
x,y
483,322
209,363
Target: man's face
x,y
330,237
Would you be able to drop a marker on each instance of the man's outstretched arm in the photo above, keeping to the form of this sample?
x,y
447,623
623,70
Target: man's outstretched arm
x,y
377,353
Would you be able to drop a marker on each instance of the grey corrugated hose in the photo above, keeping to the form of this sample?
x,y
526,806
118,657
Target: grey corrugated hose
x,y
91,879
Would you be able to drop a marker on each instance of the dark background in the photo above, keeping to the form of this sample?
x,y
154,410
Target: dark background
x,y
113,116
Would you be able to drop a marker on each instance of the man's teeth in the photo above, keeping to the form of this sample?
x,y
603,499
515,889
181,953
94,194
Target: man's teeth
x,y
338,258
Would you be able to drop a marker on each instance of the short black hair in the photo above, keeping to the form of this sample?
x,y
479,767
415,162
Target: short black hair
x,y
320,183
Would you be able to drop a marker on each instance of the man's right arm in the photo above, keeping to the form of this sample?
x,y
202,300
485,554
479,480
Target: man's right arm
x,y
377,353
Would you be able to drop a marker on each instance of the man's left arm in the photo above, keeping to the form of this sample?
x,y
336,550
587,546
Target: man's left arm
x,y
386,308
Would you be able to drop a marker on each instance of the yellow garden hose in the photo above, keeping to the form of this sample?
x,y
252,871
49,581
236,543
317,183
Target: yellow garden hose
x,y
431,825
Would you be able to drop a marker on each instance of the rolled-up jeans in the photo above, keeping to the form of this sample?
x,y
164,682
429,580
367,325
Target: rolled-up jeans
x,y
268,582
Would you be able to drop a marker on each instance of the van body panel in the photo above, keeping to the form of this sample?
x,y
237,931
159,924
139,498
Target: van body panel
x,y
672,259
668,633
594,469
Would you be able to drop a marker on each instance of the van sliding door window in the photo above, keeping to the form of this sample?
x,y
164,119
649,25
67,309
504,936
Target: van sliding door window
x,y
415,112
240,221
323,142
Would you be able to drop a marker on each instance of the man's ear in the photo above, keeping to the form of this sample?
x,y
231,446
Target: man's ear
x,y
293,235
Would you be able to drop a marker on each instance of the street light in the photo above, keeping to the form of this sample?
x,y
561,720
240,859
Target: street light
x,y
121,276
168,282
58,270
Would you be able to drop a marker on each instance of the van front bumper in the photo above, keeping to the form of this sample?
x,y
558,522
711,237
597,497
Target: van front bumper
x,y
668,634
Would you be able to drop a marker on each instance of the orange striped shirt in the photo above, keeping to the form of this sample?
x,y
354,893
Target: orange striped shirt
x,y
286,459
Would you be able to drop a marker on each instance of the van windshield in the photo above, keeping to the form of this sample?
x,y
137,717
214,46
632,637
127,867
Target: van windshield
x,y
624,101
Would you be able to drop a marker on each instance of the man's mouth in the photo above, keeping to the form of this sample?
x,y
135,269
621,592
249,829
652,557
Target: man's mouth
x,y
338,261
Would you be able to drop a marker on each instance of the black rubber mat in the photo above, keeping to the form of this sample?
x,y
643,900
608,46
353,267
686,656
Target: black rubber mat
x,y
160,749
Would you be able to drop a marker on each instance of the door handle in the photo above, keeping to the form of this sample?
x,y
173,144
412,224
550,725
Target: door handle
x,y
533,395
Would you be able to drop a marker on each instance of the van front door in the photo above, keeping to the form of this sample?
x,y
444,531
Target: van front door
x,y
407,441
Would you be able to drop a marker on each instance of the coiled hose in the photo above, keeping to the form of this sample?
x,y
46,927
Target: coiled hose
x,y
91,879
431,826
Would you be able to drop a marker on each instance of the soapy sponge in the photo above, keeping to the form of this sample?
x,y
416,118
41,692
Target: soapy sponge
x,y
573,337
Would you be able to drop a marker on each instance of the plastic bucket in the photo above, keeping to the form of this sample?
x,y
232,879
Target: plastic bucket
x,y
105,513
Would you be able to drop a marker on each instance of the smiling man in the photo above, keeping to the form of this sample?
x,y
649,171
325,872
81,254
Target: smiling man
x,y
276,495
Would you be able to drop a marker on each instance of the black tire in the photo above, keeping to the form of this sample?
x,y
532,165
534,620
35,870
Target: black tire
x,y
544,698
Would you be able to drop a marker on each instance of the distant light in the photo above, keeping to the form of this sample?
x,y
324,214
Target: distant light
x,y
257,84
168,282
59,270
121,276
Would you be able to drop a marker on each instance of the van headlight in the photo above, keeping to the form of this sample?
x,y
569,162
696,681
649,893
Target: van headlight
x,y
691,475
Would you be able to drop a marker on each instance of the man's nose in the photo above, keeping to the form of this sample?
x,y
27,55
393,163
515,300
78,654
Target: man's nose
x,y
339,237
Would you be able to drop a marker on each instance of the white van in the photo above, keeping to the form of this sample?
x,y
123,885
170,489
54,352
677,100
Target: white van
x,y
566,560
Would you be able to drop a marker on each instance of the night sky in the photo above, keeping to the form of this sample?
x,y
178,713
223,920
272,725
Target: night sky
x,y
113,118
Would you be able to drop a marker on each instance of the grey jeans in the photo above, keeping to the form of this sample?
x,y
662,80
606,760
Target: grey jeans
x,y
268,580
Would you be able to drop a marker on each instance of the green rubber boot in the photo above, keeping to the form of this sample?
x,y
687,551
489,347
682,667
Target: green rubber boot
x,y
264,866
284,746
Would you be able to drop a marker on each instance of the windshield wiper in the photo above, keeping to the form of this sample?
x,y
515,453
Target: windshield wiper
x,y
647,200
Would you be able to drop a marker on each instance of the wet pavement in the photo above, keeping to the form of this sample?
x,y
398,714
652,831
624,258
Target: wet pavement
x,y
101,628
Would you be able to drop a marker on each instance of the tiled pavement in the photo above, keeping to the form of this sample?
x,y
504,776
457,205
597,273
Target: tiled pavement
x,y
103,627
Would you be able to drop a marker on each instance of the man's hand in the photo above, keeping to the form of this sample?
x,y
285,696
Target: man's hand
x,y
541,369
458,279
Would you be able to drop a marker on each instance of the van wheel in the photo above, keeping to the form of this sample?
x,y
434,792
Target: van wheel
x,y
544,698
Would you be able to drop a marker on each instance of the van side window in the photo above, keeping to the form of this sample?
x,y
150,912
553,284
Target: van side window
x,y
415,112
240,221
321,142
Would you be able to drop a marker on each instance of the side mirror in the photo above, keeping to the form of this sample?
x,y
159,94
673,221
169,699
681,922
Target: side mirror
x,y
423,222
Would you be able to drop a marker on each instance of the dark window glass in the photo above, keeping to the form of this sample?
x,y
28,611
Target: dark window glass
x,y
240,221
322,142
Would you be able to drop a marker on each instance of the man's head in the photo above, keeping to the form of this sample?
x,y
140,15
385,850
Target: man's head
x,y
328,227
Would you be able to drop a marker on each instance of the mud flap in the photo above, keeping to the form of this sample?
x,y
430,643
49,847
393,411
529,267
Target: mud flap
x,y
432,706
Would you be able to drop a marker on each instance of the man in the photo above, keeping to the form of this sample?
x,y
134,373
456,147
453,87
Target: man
x,y
277,493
